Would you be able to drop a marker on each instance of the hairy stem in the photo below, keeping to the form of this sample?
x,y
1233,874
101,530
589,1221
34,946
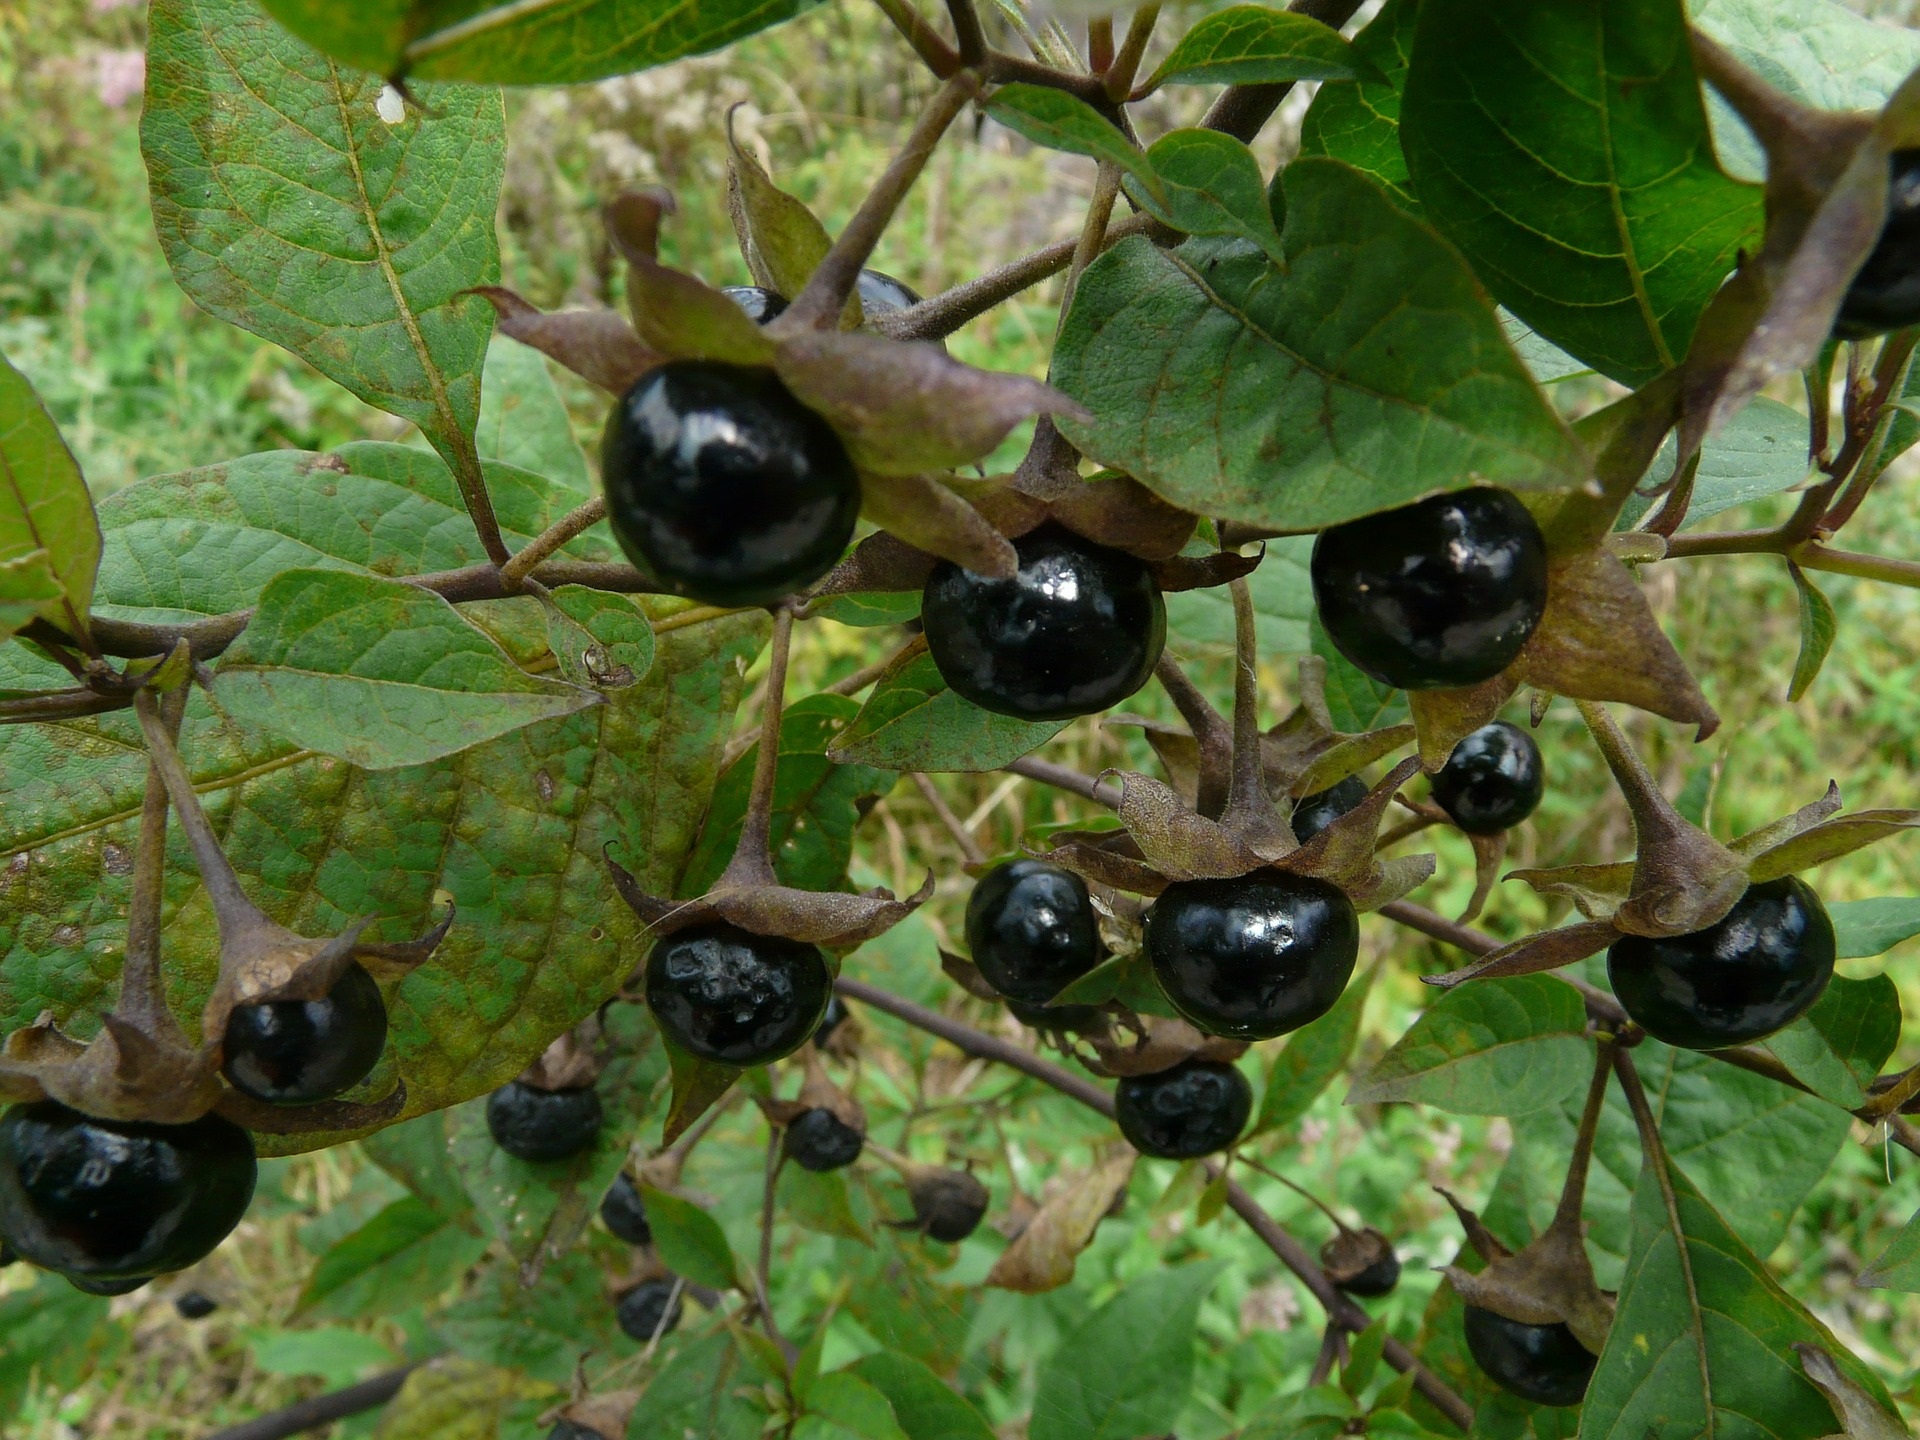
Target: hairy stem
x,y
927,43
143,998
763,1270
1101,792
1247,790
1573,1193
752,862
967,31
1120,74
230,903
570,526
473,489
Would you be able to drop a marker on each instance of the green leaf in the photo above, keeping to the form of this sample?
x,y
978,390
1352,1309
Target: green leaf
x,y
1358,120
894,1295
1818,626
1872,927
544,1330
820,1202
1125,1371
523,421
1209,184
869,607
1253,45
912,721
702,1390
1320,1413
1373,372
287,206
1838,1047
1313,1056
415,1154
1200,622
852,1406
406,1255
1760,452
1356,702
690,1241
49,538
460,1398
52,1333
598,639
337,1355
1898,1266
923,1403
1496,1047
1059,121
1820,52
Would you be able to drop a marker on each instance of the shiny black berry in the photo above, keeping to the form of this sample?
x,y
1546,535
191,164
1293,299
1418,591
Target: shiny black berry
x,y
569,1430
1070,1019
1313,813
1255,956
622,1212
1885,294
831,1020
881,294
1492,781
820,1140
534,1124
1439,593
107,1201
1032,929
1376,1280
724,994
1759,969
948,1205
194,1305
1196,1108
297,1052
649,1309
1077,629
1542,1364
109,1287
723,486
760,304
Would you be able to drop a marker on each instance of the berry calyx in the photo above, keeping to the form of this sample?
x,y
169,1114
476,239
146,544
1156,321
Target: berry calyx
x,y
1313,813
194,1305
1197,1108
1492,781
819,1140
723,486
623,1213
881,294
724,994
298,1052
1542,1364
534,1124
1760,968
651,1308
1885,293
1032,929
1440,593
1076,630
1252,957
760,303
112,1201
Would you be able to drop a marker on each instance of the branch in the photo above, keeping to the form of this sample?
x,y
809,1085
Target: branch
x,y
969,847
967,32
1242,110
320,1410
1101,792
568,527
927,43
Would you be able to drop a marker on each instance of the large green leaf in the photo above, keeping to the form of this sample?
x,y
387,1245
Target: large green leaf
x,y
288,206
542,1330
924,1404
1200,622
1837,1047
406,1255
1872,927
690,1241
912,721
49,538
1358,120
523,421
1818,51
1255,45
1314,1055
1370,372
1898,1266
52,1333
706,1390
1565,149
1760,451
1356,702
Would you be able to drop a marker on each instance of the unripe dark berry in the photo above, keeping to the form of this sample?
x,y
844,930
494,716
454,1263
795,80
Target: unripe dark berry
x,y
650,1308
723,486
1197,1108
948,1204
106,1201
724,994
881,294
534,1124
297,1052
760,304
1313,813
1070,1019
820,1140
1492,781
623,1213
194,1305
1760,968
1542,1364
1252,957
1440,593
1077,629
1885,293
1032,929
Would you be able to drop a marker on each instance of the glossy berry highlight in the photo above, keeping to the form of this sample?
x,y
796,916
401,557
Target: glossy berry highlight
x,y
1199,1107
1313,813
724,994
298,1052
760,303
623,1212
1032,929
819,1140
1542,1364
649,1309
881,294
1492,781
1885,293
1444,592
723,486
537,1125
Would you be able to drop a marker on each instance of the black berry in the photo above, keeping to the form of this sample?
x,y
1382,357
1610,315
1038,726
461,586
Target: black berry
x,y
194,1305
1885,294
831,1019
568,1430
1376,1280
820,1140
1492,781
948,1205
761,305
533,1124
723,486
1313,813
109,1287
622,1212
881,294
1196,1108
296,1052
1032,929
1077,629
724,994
649,1309
1361,1262
1542,1364
1071,1019
107,1201
1252,957
1440,593
1759,969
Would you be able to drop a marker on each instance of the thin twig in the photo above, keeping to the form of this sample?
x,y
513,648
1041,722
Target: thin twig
x,y
860,679
1119,75
968,35
1101,792
969,847
752,862
570,526
763,1272
321,1409
932,48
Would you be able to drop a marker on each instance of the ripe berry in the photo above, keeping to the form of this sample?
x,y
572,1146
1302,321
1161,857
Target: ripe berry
x,y
115,1201
1072,1019
648,1309
1492,781
1760,968
831,1019
1076,630
1255,956
724,994
1885,294
568,1430
533,1124
881,294
819,1140
1196,1108
109,1287
296,1052
1032,929
723,486
948,1205
1361,1262
1542,1364
622,1212
761,305
194,1305
1376,1280
1313,813
1439,593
